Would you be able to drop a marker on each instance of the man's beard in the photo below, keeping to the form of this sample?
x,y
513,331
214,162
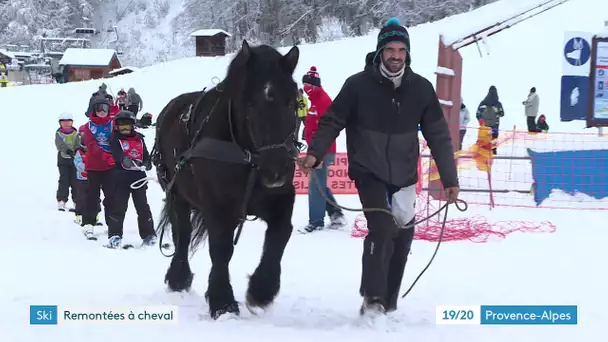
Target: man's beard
x,y
390,66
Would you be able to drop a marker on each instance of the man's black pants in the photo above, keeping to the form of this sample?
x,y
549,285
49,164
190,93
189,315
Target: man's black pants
x,y
386,246
531,121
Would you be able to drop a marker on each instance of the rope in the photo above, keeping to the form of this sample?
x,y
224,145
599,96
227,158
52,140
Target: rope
x,y
460,205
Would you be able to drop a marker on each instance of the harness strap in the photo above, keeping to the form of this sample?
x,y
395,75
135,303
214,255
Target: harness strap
x,y
220,150
248,192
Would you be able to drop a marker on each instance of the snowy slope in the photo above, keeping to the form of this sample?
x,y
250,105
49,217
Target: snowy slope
x,y
46,261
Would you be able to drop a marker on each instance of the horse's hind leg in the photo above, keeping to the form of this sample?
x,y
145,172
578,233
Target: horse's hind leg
x,y
179,276
265,282
219,292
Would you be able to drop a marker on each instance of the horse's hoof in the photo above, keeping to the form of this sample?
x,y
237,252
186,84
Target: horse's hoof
x,y
253,306
227,311
179,282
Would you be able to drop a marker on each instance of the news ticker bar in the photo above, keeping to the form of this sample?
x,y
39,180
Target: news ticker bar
x,y
507,314
53,315
450,314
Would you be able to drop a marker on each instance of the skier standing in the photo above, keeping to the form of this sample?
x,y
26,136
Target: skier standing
x,y
131,155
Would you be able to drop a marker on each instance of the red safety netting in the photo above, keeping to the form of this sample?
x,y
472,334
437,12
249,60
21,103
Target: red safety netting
x,y
475,229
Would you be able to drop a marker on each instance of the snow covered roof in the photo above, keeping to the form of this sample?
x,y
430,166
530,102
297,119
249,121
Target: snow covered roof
x,y
491,18
88,57
602,34
209,33
116,71
7,53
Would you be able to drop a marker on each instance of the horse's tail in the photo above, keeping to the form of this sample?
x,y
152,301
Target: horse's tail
x,y
199,230
165,221
197,222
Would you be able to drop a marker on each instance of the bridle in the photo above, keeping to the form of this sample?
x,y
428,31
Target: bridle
x,y
289,143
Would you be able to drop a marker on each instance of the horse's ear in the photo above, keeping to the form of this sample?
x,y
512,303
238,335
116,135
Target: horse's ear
x,y
243,56
290,60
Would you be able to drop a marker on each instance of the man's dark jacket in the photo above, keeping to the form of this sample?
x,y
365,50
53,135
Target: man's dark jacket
x,y
382,127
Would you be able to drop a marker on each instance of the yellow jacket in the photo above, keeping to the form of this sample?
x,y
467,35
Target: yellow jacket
x,y
302,106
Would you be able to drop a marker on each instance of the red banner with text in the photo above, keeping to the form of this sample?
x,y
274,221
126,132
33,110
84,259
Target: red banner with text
x,y
337,178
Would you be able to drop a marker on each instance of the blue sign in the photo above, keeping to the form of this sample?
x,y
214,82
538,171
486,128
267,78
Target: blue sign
x,y
574,98
577,51
43,314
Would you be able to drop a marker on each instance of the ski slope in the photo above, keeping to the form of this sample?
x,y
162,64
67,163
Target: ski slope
x,y
45,260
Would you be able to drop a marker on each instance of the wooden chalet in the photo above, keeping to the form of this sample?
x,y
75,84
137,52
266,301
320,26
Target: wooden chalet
x,y
210,42
87,64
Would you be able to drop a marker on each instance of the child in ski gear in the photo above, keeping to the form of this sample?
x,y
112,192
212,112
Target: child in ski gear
x,y
121,100
317,205
66,138
531,104
491,110
134,102
301,112
99,164
541,124
464,122
81,178
132,157
102,91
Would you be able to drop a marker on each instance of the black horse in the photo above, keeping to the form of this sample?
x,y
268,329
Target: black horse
x,y
226,153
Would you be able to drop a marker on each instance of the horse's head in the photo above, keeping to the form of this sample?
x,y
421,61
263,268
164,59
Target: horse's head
x,y
265,97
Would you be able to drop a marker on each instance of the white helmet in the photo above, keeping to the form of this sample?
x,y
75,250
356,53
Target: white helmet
x,y
66,116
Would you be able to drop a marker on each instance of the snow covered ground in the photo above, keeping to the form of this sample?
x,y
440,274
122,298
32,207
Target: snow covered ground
x,y
45,260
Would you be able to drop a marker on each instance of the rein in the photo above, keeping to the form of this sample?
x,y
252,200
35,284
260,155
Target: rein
x,y
459,204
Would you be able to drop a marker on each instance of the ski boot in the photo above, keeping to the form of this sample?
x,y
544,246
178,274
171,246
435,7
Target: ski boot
x,y
114,242
149,241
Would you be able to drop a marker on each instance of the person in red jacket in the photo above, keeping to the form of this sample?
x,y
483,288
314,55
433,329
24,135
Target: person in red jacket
x,y
81,179
317,205
99,164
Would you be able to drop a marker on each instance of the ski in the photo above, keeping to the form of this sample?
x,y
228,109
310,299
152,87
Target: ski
x,y
98,224
128,246
142,246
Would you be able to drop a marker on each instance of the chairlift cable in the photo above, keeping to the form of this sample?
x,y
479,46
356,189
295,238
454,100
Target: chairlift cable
x,y
119,16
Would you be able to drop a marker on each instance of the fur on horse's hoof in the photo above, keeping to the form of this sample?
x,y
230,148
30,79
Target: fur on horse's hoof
x,y
255,307
179,281
232,308
261,293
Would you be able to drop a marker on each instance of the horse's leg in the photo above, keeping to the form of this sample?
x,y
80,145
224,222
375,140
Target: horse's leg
x,y
179,276
265,282
219,291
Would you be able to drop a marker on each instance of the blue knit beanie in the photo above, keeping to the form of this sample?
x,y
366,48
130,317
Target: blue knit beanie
x,y
393,31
